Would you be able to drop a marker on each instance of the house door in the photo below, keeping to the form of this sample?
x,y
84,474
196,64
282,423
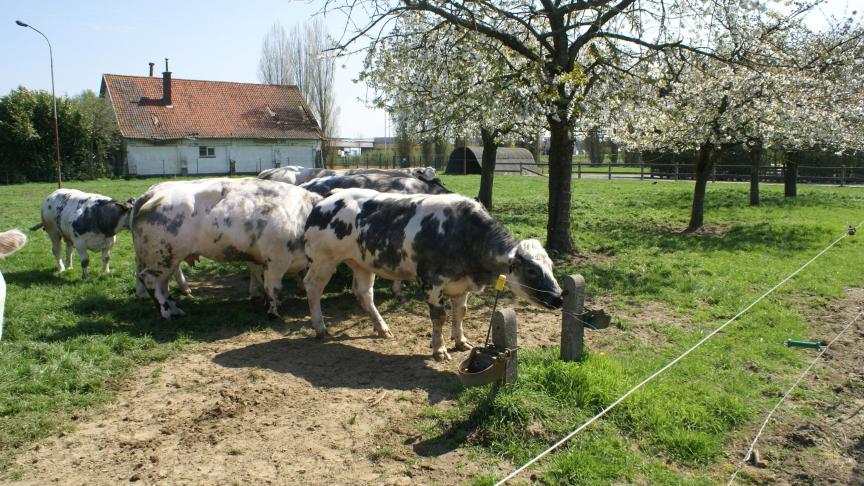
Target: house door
x,y
211,160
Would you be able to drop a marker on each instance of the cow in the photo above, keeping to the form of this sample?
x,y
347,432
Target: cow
x,y
378,181
294,174
393,182
448,243
84,221
10,242
253,220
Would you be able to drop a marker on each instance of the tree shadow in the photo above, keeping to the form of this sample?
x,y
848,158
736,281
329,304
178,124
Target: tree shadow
x,y
332,364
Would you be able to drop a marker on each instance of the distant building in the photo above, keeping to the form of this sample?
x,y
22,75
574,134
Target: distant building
x,y
351,146
181,126
382,143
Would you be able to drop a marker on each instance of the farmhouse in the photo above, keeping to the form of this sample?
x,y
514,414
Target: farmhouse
x,y
183,127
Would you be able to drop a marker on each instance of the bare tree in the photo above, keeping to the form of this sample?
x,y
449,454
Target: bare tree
x,y
300,58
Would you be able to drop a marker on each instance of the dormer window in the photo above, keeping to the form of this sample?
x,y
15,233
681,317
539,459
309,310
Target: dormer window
x,y
206,151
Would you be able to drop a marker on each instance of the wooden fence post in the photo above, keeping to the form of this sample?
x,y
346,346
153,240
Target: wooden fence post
x,y
572,332
504,337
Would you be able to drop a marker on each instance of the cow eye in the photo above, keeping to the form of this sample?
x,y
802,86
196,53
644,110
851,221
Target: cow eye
x,y
531,272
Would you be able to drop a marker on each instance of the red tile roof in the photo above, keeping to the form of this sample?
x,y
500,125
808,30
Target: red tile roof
x,y
208,109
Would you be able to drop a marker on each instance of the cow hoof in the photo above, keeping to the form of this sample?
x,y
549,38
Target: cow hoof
x,y
274,317
186,293
322,334
464,346
385,333
441,355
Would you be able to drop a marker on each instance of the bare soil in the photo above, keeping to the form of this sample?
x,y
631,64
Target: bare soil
x,y
284,408
817,435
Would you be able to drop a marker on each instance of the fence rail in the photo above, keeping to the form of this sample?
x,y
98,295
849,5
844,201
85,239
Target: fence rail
x,y
838,175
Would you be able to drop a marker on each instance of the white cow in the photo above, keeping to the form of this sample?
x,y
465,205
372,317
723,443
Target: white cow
x,y
84,221
10,242
222,219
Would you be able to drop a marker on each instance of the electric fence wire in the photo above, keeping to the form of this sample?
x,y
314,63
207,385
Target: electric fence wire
x,y
671,363
785,396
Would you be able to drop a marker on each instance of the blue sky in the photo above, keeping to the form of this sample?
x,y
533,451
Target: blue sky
x,y
216,40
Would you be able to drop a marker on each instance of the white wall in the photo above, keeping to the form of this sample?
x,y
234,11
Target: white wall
x,y
251,156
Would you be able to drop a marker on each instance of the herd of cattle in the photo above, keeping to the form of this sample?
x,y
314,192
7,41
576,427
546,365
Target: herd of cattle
x,y
398,224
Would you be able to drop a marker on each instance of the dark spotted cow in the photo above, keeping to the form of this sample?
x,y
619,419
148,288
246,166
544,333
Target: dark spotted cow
x,y
397,183
294,174
253,220
10,242
448,243
382,182
84,221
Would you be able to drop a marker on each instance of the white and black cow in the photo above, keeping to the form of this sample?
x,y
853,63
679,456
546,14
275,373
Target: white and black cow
x,y
294,174
10,242
84,221
398,183
252,220
448,243
393,182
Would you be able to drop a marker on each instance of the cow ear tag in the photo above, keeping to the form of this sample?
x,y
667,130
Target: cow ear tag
x,y
499,285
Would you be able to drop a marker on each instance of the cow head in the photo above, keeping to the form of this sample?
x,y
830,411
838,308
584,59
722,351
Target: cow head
x,y
435,186
119,210
531,276
425,174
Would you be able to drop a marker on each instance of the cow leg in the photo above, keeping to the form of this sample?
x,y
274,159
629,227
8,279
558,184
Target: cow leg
x,y
81,246
106,258
69,247
156,283
140,289
397,290
364,282
180,278
57,250
272,285
438,314
256,281
315,280
459,307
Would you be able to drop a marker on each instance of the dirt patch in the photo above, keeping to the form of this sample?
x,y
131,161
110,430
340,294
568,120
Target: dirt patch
x,y
271,408
817,435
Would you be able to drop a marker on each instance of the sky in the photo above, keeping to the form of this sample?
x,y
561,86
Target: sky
x,y
213,40
216,40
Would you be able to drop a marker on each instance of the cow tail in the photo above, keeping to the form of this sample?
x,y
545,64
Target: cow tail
x,y
38,227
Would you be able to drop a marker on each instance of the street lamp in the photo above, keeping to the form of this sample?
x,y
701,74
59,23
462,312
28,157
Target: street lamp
x,y
53,99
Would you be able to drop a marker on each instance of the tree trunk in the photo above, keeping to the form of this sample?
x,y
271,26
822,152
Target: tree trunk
x,y
755,163
558,237
704,163
487,174
613,153
790,176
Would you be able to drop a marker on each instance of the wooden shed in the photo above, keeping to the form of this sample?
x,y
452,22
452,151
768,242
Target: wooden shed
x,y
467,160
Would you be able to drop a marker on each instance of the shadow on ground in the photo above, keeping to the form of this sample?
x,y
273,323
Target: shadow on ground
x,y
334,364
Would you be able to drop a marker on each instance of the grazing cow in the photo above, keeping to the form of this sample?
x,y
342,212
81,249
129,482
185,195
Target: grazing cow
x,y
448,243
393,182
84,221
382,182
10,242
252,220
297,175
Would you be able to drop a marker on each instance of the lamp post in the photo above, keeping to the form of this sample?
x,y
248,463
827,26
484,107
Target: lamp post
x,y
54,101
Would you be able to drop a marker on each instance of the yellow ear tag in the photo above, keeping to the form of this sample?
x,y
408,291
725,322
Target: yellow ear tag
x,y
499,285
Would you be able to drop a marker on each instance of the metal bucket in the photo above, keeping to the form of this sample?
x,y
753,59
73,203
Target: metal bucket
x,y
483,366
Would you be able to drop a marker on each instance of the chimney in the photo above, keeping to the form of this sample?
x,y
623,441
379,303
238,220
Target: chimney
x,y
152,64
166,85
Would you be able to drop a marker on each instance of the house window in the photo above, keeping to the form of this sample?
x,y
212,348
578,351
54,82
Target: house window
x,y
206,151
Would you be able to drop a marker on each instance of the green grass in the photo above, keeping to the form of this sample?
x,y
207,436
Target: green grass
x,y
68,342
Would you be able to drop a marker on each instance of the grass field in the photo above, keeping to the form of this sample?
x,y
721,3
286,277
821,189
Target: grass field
x,y
67,342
